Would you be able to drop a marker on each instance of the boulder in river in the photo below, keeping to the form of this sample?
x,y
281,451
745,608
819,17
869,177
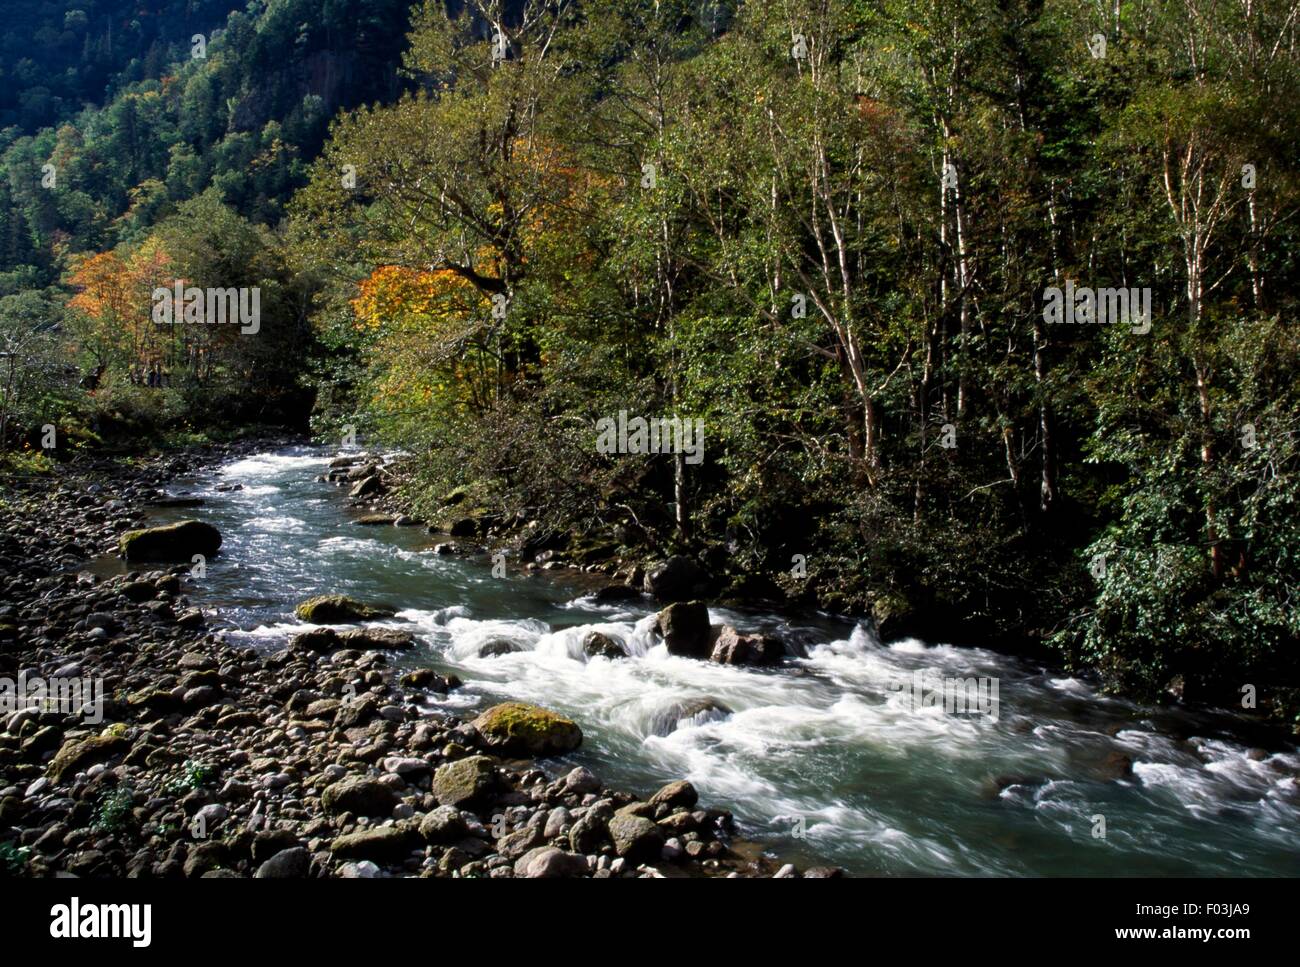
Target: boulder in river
x,y
676,795
338,608
685,629
730,647
318,639
514,728
677,579
695,711
378,639
498,646
369,487
171,542
596,644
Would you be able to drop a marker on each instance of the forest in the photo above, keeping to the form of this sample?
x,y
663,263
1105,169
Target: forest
x,y
986,308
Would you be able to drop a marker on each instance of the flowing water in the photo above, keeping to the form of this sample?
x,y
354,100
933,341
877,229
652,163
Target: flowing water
x,y
829,759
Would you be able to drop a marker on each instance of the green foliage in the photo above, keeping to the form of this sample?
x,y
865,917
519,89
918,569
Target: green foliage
x,y
113,814
13,858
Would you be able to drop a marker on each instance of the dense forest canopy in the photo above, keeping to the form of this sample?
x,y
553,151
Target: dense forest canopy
x,y
987,307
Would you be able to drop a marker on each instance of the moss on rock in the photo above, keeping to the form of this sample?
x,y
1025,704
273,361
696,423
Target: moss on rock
x,y
333,608
515,728
172,542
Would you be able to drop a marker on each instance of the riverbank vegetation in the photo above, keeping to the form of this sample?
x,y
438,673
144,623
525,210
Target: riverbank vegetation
x,y
827,229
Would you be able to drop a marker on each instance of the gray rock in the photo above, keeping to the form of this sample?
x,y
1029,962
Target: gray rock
x,y
464,781
444,825
581,781
546,862
360,795
292,863
685,629
636,838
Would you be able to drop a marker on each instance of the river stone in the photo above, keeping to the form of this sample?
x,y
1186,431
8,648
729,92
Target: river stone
x,y
270,842
138,591
378,639
338,608
596,644
892,614
514,728
292,863
581,781
730,647
382,843
77,754
697,710
498,646
409,767
318,639
444,825
556,821
516,844
360,795
464,781
367,487
685,628
635,838
588,833
676,795
171,542
677,579
546,862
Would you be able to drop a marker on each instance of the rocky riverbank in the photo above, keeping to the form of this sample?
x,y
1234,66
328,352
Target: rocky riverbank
x,y
186,757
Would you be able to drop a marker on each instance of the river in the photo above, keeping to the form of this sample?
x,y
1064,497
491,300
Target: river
x,y
827,760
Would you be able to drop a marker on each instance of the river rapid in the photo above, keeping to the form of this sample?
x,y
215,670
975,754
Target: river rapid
x,y
827,760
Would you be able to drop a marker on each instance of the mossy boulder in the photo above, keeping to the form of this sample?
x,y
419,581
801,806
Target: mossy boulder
x,y
514,728
893,615
79,754
172,542
464,781
338,608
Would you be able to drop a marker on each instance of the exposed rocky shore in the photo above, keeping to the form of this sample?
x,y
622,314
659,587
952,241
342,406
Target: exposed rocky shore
x,y
319,759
